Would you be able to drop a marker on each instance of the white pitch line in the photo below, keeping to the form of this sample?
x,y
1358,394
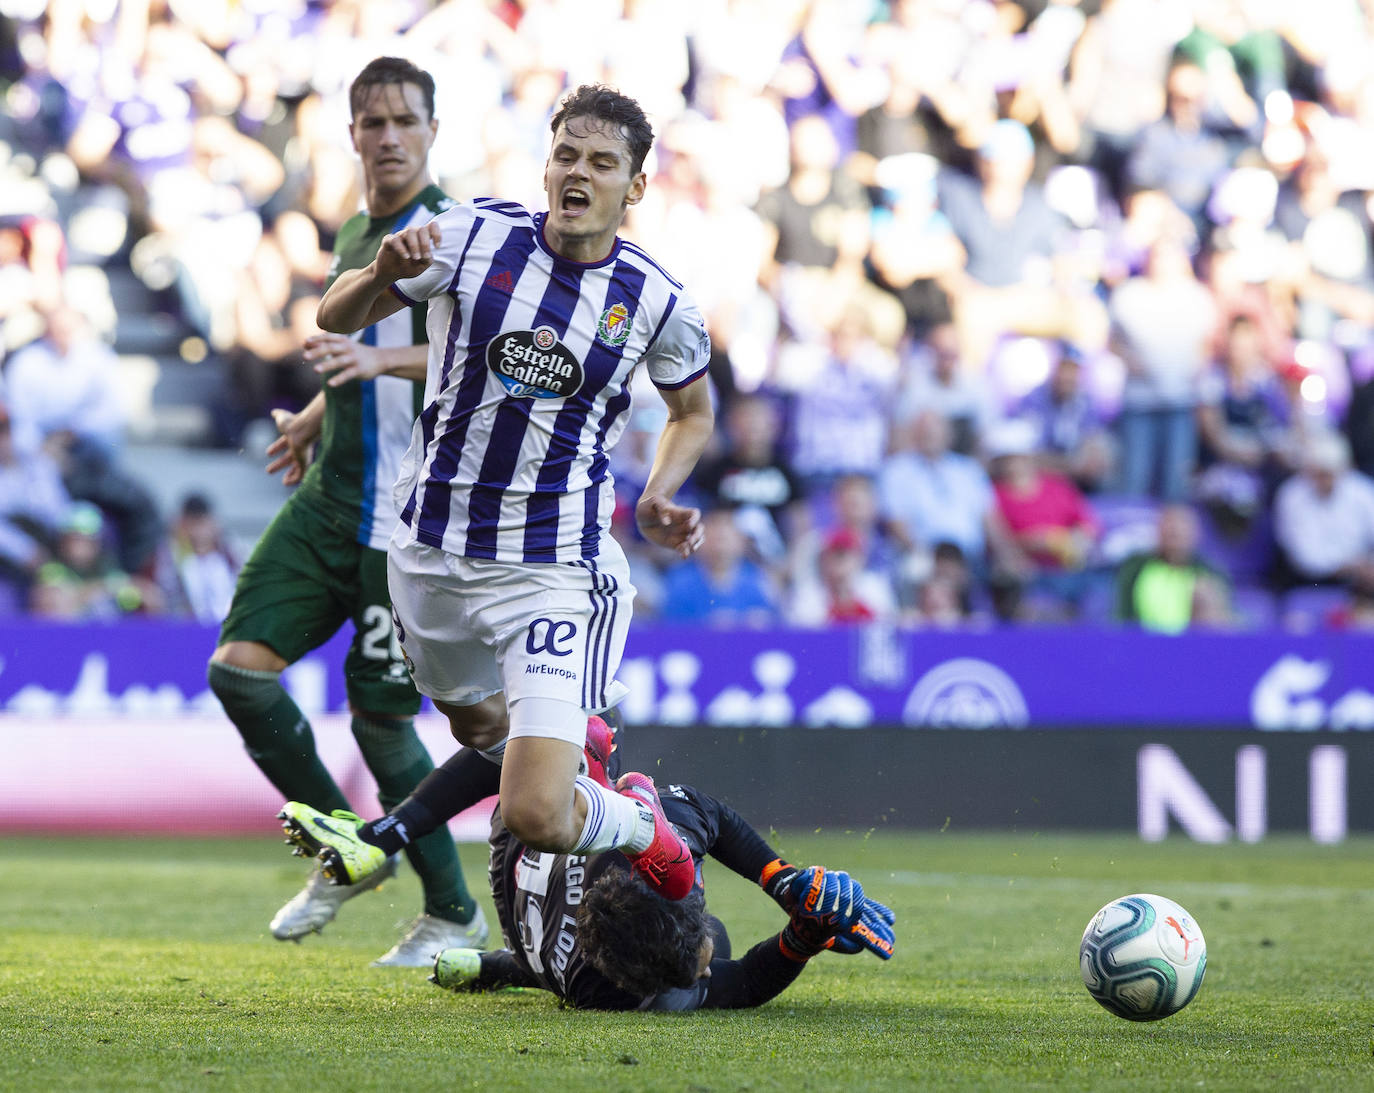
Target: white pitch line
x,y
1215,888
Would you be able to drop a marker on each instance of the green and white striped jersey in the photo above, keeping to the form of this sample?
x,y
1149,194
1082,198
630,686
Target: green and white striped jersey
x,y
367,425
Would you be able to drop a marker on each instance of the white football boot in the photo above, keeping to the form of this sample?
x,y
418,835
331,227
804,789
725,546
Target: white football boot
x,y
315,905
429,935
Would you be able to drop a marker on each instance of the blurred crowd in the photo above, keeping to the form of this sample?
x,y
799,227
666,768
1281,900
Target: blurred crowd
x,y
1022,310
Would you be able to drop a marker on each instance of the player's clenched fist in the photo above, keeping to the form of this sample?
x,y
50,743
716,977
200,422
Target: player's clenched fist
x,y
407,253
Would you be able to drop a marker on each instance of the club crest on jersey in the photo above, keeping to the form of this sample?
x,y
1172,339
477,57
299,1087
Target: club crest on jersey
x,y
534,364
613,327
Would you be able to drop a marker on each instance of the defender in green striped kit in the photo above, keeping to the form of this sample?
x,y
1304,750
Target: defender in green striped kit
x,y
322,561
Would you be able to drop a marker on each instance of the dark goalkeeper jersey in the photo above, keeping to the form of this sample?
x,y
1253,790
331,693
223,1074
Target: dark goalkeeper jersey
x,y
537,895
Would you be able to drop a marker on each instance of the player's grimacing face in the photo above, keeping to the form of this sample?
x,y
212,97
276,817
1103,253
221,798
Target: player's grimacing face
x,y
392,134
589,184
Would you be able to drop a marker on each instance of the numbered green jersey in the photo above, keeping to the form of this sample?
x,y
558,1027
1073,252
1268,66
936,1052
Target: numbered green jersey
x,y
367,425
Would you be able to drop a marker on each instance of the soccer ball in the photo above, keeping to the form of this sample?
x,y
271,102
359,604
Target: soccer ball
x,y
1142,957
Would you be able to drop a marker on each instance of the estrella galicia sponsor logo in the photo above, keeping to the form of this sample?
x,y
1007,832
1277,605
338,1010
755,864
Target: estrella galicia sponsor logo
x,y
613,327
547,636
534,364
966,693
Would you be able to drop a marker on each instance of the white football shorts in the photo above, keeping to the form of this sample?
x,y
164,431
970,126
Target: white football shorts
x,y
471,628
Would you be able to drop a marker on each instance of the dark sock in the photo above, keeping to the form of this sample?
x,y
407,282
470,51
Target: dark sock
x,y
276,734
398,762
464,779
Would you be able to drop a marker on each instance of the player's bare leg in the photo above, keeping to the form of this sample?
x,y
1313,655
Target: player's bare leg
x,y
538,801
549,806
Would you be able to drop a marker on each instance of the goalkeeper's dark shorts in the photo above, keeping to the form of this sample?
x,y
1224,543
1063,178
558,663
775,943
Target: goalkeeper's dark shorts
x,y
306,577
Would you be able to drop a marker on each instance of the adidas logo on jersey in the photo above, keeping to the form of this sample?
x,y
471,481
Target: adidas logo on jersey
x,y
502,281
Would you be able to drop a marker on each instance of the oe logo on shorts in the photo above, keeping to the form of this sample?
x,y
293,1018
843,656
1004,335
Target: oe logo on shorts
x,y
553,635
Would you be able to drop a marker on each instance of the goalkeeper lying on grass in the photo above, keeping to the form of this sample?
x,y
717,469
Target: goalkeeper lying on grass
x,y
588,928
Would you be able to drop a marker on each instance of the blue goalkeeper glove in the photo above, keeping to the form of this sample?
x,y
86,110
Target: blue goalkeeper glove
x,y
825,903
873,932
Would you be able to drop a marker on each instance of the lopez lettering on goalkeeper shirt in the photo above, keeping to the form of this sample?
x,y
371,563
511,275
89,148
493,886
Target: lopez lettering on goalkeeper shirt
x,y
528,390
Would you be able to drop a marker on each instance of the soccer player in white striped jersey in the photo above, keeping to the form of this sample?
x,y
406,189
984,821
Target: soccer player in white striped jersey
x,y
508,590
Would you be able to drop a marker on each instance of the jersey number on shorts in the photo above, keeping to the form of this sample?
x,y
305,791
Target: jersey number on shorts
x,y
379,641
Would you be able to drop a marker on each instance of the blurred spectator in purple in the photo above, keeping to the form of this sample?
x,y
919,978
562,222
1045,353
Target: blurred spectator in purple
x,y
1073,439
33,506
1324,518
719,585
1014,278
1243,426
83,582
1171,587
1183,153
822,75
62,392
1162,325
137,127
752,476
935,377
1048,520
203,566
1359,415
840,413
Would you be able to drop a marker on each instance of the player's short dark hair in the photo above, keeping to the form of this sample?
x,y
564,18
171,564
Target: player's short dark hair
x,y
390,70
638,940
609,105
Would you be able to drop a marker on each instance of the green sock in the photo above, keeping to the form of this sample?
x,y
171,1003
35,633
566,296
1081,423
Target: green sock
x,y
398,761
277,735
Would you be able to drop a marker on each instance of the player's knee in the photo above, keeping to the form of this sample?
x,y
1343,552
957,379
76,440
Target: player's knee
x,y
482,725
539,824
251,656
245,693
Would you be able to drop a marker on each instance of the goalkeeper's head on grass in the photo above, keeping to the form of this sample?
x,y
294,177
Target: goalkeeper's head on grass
x,y
594,933
590,929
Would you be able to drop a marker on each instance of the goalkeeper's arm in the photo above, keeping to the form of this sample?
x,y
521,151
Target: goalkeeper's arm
x,y
730,839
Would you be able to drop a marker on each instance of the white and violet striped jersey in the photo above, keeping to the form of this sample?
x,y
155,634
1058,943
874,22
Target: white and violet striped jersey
x,y
528,389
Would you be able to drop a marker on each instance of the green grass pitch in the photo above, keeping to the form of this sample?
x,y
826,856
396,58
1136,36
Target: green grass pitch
x,y
146,965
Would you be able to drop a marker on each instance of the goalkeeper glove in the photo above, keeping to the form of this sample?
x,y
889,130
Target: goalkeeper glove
x,y
825,903
873,932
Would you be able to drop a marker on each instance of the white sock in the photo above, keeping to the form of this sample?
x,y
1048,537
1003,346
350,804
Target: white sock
x,y
614,821
494,754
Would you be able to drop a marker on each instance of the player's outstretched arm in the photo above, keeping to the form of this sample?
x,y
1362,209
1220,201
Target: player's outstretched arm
x,y
828,910
359,297
830,907
690,421
343,359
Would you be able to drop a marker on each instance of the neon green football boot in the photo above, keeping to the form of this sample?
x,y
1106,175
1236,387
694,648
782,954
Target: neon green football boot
x,y
344,858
